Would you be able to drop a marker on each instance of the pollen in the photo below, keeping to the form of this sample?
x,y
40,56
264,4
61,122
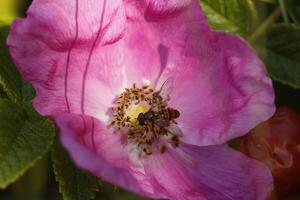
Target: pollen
x,y
142,114
134,110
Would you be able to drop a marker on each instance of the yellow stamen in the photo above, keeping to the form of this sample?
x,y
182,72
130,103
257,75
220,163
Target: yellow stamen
x,y
134,110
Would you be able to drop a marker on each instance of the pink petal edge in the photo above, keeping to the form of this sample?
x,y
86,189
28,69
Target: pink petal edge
x,y
188,172
212,172
103,154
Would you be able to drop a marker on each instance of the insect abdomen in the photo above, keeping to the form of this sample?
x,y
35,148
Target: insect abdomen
x,y
175,113
169,114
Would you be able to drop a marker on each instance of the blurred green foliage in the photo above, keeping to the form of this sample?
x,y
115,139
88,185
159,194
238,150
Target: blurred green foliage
x,y
281,52
10,79
66,172
235,16
9,11
23,141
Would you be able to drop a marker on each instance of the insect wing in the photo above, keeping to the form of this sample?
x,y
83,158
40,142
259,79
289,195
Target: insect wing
x,y
161,123
166,88
174,129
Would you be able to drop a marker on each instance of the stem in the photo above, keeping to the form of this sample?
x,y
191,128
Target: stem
x,y
283,10
265,25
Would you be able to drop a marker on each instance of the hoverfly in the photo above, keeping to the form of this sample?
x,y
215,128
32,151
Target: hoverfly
x,y
160,118
164,115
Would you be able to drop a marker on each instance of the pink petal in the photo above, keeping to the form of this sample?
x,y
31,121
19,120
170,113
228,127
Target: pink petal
x,y
159,32
141,41
104,153
95,148
220,86
75,52
213,172
221,94
64,50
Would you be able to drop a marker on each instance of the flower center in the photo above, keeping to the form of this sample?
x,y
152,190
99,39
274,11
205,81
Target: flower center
x,y
144,116
134,110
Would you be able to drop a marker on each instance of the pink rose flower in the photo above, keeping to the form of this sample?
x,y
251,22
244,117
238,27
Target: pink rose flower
x,y
145,94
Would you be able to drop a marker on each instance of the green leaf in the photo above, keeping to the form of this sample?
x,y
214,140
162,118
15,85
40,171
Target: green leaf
x,y
112,192
10,79
74,183
269,1
293,7
281,53
2,93
33,184
28,92
22,141
235,16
